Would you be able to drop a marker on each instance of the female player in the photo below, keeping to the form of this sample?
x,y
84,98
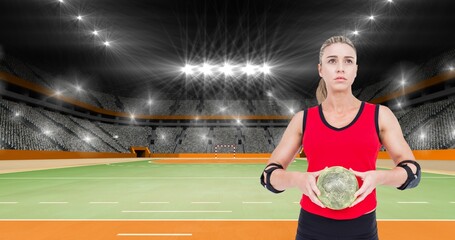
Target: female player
x,y
340,131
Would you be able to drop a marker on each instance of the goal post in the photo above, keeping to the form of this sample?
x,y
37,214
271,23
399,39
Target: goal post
x,y
230,147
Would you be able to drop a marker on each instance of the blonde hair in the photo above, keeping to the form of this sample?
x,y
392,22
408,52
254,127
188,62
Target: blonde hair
x,y
321,91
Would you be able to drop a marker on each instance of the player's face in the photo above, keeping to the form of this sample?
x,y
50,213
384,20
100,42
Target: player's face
x,y
338,66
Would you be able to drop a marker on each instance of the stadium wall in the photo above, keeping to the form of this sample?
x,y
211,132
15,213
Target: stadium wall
x,y
446,154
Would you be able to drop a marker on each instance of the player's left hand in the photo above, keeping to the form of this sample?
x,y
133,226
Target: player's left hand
x,y
370,181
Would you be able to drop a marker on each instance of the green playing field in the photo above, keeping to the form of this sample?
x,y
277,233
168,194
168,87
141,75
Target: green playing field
x,y
151,190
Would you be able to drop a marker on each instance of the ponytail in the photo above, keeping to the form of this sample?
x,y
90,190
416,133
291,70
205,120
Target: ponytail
x,y
321,91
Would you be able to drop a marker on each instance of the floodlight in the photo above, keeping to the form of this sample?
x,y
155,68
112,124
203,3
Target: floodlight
x,y
17,114
206,69
58,92
291,110
115,136
47,132
78,88
149,102
371,17
249,69
270,94
188,69
226,69
95,32
403,82
265,69
238,121
422,136
79,17
107,43
355,32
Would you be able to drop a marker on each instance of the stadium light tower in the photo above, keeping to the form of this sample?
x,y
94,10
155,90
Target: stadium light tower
x,y
249,69
206,69
226,69
188,69
265,69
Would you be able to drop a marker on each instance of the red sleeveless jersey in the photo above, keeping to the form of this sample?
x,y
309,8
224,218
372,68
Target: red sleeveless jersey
x,y
354,146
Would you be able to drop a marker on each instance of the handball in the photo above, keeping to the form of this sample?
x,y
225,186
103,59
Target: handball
x,y
337,186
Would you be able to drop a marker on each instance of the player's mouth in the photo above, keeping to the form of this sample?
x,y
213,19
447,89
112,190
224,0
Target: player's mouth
x,y
341,78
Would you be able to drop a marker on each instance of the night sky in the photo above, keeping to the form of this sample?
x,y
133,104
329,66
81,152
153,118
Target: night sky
x,y
151,40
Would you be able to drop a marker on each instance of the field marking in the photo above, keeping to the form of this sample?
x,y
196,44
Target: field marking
x,y
452,202
103,202
256,202
53,202
205,202
119,178
8,202
154,202
155,234
190,211
198,220
413,202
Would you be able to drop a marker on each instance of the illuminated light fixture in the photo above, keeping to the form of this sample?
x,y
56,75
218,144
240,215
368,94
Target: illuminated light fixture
x,y
87,139
95,32
399,104
390,1
58,92
17,114
188,69
270,94
47,132
371,17
60,1
249,69
206,69
132,116
355,32
149,102
238,121
291,110
163,137
403,82
422,136
79,17
222,109
78,88
226,69
115,136
265,69
107,43
450,68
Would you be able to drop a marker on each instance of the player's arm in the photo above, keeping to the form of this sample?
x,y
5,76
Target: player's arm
x,y
400,152
397,148
280,179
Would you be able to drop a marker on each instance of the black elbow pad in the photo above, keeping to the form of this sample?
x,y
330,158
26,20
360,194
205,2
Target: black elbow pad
x,y
268,172
413,179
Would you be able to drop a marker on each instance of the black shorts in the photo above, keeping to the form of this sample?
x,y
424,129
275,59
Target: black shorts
x,y
315,227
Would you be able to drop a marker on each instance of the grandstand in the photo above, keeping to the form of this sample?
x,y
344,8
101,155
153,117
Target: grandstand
x,y
43,127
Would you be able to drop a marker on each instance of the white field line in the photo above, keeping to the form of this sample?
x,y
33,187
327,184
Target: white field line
x,y
256,202
153,211
103,202
119,178
154,202
155,234
452,202
53,202
413,202
197,220
8,202
205,202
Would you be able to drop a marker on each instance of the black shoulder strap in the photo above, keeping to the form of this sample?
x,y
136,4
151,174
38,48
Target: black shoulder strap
x,y
376,121
305,114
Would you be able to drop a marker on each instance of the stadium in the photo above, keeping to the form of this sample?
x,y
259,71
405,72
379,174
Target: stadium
x,y
154,119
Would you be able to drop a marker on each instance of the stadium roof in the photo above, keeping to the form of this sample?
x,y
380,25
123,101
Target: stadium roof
x,y
140,47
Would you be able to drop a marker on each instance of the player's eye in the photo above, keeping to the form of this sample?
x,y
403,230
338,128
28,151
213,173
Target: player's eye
x,y
332,60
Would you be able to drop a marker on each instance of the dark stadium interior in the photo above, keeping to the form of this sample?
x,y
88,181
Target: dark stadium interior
x,y
118,76
152,40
